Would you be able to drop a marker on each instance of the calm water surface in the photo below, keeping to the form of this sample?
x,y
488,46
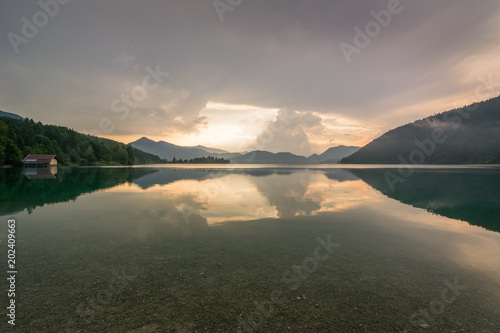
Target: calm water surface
x,y
254,249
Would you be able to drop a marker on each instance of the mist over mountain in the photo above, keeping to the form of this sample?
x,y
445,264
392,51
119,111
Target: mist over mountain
x,y
469,135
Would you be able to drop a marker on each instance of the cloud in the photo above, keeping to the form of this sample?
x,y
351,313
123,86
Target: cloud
x,y
265,53
125,59
290,131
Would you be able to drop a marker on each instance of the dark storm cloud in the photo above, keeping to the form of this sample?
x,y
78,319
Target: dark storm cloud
x,y
267,53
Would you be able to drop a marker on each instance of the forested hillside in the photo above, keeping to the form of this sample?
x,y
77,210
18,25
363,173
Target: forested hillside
x,y
21,137
469,135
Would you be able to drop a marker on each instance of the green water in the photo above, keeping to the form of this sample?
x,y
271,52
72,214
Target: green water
x,y
197,249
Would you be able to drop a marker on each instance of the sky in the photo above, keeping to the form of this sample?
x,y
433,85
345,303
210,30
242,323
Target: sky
x,y
294,75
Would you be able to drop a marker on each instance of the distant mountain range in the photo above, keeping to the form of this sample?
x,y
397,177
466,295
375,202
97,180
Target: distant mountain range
x,y
469,135
52,139
333,155
10,115
211,150
265,157
169,151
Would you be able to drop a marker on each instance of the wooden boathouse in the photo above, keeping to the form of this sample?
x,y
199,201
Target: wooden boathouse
x,y
32,160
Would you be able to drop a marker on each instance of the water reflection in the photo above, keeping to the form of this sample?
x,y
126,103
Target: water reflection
x,y
196,272
40,173
471,195
26,189
219,195
236,195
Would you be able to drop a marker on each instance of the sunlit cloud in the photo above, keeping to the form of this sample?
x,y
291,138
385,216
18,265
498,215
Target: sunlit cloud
x,y
228,80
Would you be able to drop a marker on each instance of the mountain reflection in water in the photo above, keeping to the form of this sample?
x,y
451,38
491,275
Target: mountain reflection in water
x,y
221,195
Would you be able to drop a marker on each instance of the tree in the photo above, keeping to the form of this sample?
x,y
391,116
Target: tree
x,y
121,156
71,139
21,137
43,145
2,153
28,132
3,129
12,154
107,158
130,152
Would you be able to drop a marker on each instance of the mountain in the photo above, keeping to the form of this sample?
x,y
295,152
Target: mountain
x,y
169,151
10,115
211,150
19,138
333,155
265,157
469,135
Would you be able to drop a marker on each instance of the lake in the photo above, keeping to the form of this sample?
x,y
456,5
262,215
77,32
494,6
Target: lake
x,y
268,248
